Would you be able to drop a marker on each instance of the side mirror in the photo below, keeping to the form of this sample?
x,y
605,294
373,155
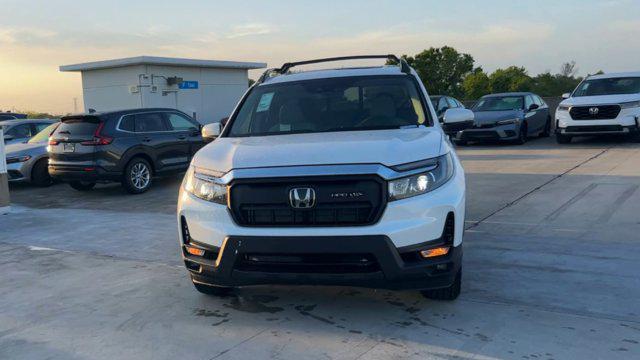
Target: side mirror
x,y
224,121
211,131
458,115
533,107
566,95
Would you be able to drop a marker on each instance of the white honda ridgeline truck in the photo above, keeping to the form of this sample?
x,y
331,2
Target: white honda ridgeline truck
x,y
601,104
329,177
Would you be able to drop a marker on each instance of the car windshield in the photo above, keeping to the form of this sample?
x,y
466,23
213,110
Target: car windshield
x,y
43,135
610,86
333,104
499,103
434,101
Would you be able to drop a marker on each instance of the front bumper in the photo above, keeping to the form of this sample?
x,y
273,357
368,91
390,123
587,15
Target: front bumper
x,y
19,171
497,133
254,260
627,122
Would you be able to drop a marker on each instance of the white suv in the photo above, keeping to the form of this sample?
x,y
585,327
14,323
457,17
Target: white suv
x,y
328,177
601,104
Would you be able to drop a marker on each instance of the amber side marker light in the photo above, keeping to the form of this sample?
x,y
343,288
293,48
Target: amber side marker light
x,y
434,252
194,251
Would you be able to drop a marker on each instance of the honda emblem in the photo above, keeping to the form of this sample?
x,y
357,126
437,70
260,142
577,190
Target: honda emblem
x,y
302,198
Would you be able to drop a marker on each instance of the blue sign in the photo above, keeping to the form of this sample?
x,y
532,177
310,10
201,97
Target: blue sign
x,y
188,85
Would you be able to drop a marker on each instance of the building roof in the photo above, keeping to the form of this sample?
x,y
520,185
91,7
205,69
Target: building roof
x,y
154,60
331,73
615,75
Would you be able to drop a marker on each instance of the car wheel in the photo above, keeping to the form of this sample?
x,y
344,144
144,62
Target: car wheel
x,y
522,135
82,185
547,129
563,139
212,290
137,176
449,293
40,173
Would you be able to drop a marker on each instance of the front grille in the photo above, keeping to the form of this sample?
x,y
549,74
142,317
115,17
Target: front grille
x,y
589,112
308,263
484,126
340,201
594,128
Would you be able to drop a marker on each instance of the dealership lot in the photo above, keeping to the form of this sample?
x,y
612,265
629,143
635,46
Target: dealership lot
x,y
550,271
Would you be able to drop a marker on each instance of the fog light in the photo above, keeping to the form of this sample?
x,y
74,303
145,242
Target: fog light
x,y
434,252
194,251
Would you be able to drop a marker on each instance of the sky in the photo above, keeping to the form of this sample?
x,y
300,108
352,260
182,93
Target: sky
x,y
36,37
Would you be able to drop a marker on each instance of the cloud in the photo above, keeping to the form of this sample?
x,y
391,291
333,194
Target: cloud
x,y
25,36
250,30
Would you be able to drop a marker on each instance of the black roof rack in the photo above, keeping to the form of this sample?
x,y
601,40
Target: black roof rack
x,y
404,66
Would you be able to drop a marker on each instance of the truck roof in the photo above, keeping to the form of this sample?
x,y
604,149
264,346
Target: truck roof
x,y
333,73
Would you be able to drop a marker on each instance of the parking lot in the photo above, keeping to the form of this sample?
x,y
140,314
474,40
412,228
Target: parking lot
x,y
552,256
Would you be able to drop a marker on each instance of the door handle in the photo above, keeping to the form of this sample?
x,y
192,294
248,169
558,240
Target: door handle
x,y
182,137
146,139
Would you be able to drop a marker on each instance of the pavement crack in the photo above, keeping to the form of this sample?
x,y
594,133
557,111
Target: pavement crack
x,y
554,178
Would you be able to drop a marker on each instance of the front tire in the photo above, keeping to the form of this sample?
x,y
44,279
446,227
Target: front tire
x,y
563,139
547,129
40,173
82,185
449,293
522,135
137,176
212,290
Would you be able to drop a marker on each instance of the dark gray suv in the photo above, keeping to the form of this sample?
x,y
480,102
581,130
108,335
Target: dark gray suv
x,y
128,146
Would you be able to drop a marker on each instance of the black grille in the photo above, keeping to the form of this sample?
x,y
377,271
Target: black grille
x,y
340,201
594,128
588,112
308,263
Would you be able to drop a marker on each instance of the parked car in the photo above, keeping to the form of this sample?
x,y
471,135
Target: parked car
x,y
601,104
511,116
28,161
21,130
127,146
336,177
443,103
11,116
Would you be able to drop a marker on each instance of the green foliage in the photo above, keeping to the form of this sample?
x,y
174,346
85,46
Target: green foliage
x,y
476,84
442,70
513,78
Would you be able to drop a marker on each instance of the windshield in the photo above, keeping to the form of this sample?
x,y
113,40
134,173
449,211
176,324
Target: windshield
x,y
610,86
334,104
43,135
434,101
499,103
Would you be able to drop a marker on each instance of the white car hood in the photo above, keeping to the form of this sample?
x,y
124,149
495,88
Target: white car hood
x,y
387,147
600,100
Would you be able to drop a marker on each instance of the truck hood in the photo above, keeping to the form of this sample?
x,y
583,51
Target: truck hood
x,y
387,147
19,149
600,100
490,117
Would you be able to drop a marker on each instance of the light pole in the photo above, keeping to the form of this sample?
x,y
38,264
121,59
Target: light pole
x,y
4,180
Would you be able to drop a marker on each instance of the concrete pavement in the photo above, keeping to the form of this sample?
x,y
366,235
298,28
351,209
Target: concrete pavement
x,y
550,272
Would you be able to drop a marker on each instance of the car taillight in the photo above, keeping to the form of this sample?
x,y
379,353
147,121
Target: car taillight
x,y
98,138
54,142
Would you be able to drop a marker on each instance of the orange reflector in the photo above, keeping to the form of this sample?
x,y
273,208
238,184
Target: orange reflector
x,y
194,251
434,252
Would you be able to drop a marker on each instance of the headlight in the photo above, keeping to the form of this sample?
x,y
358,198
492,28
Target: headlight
x,y
424,182
630,105
204,187
17,159
563,108
506,122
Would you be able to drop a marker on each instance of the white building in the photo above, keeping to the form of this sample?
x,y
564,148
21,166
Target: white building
x,y
205,89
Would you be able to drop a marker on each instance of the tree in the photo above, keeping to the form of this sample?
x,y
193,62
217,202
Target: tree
x,y
442,70
476,84
513,78
569,69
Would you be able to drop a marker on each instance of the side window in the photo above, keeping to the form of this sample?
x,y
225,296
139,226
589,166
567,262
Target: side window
x,y
528,101
149,122
128,123
539,101
20,131
442,104
179,122
452,103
